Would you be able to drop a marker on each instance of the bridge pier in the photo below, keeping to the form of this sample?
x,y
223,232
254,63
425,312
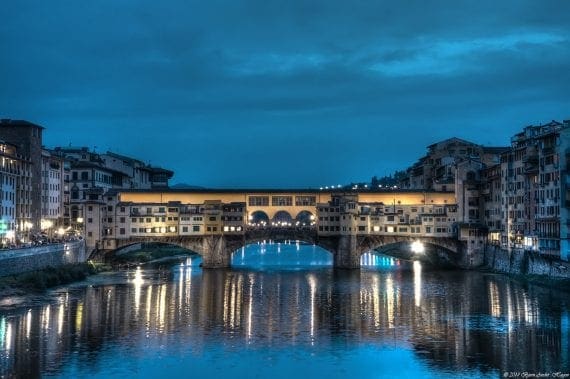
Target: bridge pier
x,y
215,252
346,254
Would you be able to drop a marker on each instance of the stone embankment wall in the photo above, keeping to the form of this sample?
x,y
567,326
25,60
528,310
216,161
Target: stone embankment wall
x,y
523,262
35,258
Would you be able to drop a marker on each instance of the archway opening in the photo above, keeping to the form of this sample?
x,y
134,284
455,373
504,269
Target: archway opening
x,y
155,252
281,255
376,260
282,218
305,218
258,218
405,253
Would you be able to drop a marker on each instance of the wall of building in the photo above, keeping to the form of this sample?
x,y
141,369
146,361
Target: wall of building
x,y
35,258
522,262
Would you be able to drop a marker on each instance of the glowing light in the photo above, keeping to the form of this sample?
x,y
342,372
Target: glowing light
x,y
28,323
46,224
418,247
138,282
417,283
313,287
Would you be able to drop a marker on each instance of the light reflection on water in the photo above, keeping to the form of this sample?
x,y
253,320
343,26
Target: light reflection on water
x,y
281,254
306,323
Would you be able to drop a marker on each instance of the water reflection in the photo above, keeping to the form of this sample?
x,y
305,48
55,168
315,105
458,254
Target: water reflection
x,y
282,255
444,322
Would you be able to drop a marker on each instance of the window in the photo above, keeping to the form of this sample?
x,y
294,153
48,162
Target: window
x,y
305,200
89,220
184,229
122,219
258,201
122,231
282,201
195,228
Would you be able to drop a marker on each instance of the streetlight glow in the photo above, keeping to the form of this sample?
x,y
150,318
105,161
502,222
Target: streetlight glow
x,y
418,247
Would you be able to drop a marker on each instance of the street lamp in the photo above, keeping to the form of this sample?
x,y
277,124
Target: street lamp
x,y
418,247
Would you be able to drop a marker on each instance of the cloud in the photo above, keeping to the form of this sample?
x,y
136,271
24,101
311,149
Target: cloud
x,y
348,75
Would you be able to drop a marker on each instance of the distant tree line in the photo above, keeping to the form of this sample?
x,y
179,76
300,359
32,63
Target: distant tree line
x,y
388,181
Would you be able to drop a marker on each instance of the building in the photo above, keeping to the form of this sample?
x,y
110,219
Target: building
x,y
436,170
123,214
27,138
89,176
516,197
534,190
9,169
52,192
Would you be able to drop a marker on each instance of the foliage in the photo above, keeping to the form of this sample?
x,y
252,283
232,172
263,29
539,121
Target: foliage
x,y
49,277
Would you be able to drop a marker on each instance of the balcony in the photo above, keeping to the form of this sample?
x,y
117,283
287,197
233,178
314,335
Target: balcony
x,y
531,167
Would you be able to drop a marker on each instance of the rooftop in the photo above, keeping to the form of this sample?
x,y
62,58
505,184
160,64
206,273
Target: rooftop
x,y
20,123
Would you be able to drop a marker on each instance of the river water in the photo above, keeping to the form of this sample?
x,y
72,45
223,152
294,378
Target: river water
x,y
290,317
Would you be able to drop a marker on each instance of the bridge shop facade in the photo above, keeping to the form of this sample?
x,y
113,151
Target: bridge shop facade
x,y
216,223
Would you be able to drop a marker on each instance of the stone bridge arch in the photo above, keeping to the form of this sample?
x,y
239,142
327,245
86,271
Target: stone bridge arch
x,y
438,251
217,250
194,244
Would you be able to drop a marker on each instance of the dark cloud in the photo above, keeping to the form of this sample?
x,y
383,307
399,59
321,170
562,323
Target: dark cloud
x,y
283,93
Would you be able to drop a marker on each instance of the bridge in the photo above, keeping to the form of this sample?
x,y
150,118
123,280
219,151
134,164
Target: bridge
x,y
215,224
216,250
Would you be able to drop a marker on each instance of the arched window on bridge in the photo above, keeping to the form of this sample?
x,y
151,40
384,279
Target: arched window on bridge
x,y
305,218
258,218
282,218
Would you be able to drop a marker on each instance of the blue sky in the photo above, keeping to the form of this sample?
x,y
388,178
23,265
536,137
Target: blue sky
x,y
282,93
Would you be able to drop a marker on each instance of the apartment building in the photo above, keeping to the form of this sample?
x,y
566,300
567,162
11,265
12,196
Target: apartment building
x,y
89,176
52,191
9,170
534,181
27,138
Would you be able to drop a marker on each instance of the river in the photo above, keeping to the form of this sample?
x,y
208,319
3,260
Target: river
x,y
282,312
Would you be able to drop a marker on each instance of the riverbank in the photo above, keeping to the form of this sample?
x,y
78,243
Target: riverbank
x,y
40,280
529,267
